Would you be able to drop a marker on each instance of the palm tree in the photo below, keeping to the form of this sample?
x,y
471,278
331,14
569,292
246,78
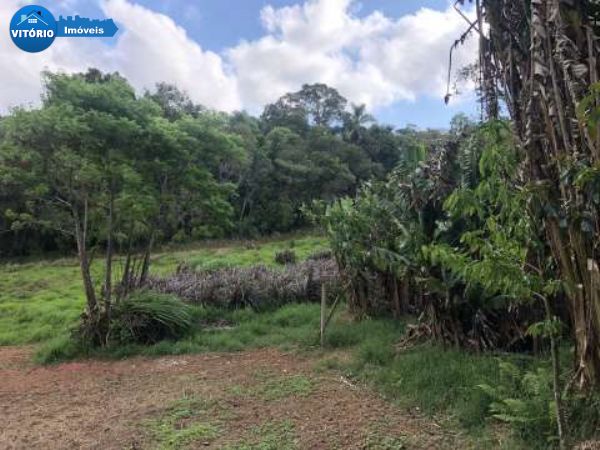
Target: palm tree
x,y
355,123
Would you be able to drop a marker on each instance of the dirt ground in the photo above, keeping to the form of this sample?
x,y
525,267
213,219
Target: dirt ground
x,y
260,399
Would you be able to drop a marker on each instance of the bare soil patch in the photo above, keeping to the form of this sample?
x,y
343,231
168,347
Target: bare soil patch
x,y
113,404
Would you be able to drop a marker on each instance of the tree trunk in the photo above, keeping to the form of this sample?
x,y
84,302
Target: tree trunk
x,y
84,264
146,263
546,65
109,258
405,297
558,402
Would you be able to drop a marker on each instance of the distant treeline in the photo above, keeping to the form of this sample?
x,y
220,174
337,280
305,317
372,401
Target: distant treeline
x,y
95,147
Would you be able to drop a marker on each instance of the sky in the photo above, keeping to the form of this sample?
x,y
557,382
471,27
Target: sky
x,y
391,55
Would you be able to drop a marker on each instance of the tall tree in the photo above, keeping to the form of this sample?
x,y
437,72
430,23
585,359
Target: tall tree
x,y
174,102
547,68
314,105
355,123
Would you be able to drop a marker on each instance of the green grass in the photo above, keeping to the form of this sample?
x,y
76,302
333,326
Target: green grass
x,y
271,387
38,301
184,423
291,327
241,255
42,301
269,436
433,379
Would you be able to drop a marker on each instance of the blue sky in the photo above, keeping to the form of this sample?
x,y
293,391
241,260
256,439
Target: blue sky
x,y
219,24
379,65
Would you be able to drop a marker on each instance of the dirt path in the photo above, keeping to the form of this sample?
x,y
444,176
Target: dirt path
x,y
261,399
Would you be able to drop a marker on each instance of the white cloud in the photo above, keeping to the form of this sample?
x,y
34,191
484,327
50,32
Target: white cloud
x,y
20,76
149,48
152,48
375,59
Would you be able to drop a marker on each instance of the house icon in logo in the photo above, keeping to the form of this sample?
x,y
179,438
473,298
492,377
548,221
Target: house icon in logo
x,y
33,18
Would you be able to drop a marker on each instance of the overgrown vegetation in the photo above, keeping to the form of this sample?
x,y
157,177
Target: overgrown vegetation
x,y
256,287
488,234
439,381
42,300
147,318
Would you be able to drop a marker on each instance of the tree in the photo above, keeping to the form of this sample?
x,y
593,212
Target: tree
x,y
314,105
548,69
106,168
174,102
355,123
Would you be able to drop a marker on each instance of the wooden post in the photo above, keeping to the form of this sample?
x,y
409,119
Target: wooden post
x,y
323,307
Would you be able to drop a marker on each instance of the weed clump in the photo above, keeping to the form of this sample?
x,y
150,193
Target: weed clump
x,y
256,287
285,257
149,317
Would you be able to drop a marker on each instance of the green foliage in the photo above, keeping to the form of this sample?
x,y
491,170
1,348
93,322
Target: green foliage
x,y
315,104
177,170
524,399
147,318
495,234
185,422
446,236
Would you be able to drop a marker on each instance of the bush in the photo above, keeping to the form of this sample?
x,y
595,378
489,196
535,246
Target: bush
x,y
285,257
257,287
524,400
149,317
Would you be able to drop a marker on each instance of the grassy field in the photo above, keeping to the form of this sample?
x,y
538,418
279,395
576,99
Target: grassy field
x,y
41,301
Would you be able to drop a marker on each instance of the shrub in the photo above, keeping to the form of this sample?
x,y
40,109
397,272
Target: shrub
x,y
285,257
149,317
257,287
524,400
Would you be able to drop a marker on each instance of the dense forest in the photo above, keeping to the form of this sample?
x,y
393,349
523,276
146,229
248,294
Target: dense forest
x,y
190,172
487,234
